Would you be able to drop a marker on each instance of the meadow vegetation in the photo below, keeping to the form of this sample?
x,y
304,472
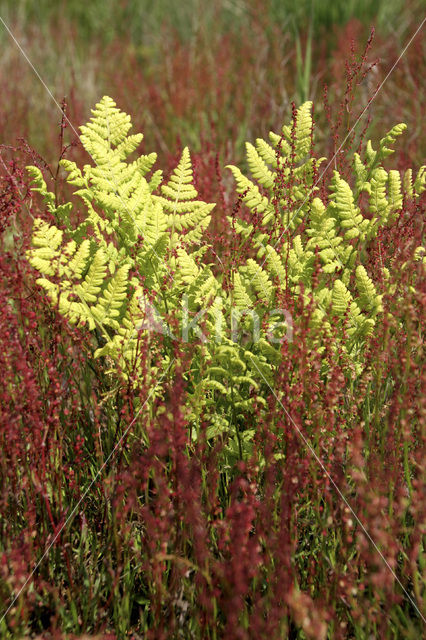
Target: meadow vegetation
x,y
159,487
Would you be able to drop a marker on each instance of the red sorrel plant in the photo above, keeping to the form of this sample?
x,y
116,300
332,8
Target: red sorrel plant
x,y
56,433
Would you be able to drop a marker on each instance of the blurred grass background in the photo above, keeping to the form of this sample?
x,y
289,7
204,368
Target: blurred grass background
x,y
200,72
141,21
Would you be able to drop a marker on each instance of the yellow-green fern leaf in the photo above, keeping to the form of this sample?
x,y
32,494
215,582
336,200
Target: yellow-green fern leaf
x,y
378,201
303,131
206,288
280,142
188,269
75,177
246,380
46,240
368,297
193,236
390,138
215,385
341,298
180,186
39,185
242,298
408,183
107,128
46,235
394,190
361,173
89,289
420,255
420,181
252,196
271,353
156,225
259,279
346,209
78,263
217,371
155,180
130,143
275,264
266,152
113,296
323,235
258,167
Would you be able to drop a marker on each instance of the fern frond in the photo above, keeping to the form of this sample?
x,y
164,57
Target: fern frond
x,y
46,235
394,190
275,264
46,241
39,185
110,302
259,168
155,226
188,269
180,186
378,201
259,279
242,298
341,298
349,214
107,128
408,183
368,297
75,176
303,131
89,289
390,138
266,152
420,181
323,235
252,196
420,255
361,174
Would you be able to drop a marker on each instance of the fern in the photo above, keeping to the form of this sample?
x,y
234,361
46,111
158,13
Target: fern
x,y
368,297
346,210
260,280
132,228
272,165
179,200
341,298
323,235
136,259
334,232
111,301
394,189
